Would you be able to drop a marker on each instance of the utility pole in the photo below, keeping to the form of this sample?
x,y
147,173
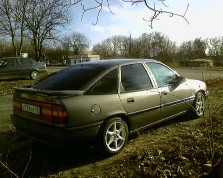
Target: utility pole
x,y
130,44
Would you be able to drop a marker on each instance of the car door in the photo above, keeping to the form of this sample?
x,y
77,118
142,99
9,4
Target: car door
x,y
25,67
138,96
175,95
9,68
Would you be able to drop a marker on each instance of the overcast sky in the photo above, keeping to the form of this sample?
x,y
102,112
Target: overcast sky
x,y
204,17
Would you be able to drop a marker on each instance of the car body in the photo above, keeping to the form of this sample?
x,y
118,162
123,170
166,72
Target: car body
x,y
18,67
104,100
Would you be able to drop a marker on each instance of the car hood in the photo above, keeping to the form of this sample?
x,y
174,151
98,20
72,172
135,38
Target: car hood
x,y
196,85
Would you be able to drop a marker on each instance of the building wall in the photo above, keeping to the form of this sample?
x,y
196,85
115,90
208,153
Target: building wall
x,y
197,63
83,58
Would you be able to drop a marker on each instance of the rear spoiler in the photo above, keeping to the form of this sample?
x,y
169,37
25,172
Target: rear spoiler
x,y
48,92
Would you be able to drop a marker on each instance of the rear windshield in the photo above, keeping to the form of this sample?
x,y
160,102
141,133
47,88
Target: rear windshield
x,y
71,78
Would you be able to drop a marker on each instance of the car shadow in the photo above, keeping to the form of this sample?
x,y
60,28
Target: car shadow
x,y
179,119
27,158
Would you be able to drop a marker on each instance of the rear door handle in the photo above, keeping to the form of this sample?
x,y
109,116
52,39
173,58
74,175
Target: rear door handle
x,y
130,100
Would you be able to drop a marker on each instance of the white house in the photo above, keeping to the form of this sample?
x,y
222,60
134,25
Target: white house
x,y
83,58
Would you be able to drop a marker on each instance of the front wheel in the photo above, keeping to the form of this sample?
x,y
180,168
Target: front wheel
x,y
113,136
34,74
199,104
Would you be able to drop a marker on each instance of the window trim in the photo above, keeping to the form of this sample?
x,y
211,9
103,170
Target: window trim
x,y
121,88
101,76
154,78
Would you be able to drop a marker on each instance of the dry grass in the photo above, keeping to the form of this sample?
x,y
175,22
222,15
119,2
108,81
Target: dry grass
x,y
178,148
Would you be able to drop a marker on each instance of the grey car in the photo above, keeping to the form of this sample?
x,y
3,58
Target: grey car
x,y
15,68
105,100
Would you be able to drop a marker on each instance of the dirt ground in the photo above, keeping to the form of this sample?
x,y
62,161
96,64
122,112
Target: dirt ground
x,y
177,148
5,111
27,158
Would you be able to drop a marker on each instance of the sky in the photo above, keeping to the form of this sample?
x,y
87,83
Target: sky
x,y
204,17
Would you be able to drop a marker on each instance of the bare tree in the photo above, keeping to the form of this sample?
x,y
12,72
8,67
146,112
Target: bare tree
x,y
118,47
199,48
215,48
102,49
43,18
78,42
37,20
185,51
114,47
99,4
157,11
12,22
192,49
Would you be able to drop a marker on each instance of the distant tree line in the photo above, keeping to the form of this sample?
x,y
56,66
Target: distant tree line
x,y
153,45
165,50
29,25
150,45
33,26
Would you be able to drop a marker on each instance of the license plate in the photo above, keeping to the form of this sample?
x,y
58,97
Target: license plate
x,y
31,108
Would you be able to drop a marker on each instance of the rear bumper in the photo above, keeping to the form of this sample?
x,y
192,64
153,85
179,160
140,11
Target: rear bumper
x,y
52,135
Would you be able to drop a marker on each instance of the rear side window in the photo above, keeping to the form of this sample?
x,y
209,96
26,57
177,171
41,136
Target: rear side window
x,y
24,62
106,85
71,78
134,78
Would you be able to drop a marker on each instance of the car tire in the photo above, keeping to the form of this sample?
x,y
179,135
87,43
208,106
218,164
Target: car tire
x,y
34,74
199,105
113,136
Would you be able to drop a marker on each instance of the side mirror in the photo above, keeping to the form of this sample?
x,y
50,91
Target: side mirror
x,y
175,82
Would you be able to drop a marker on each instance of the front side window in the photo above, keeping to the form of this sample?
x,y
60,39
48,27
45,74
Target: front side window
x,y
134,78
161,73
10,63
106,85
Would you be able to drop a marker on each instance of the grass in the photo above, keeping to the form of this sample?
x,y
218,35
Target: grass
x,y
178,148
6,86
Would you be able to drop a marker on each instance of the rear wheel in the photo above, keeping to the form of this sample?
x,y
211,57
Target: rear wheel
x,y
113,136
34,74
199,104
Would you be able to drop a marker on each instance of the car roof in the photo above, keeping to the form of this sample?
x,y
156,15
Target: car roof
x,y
112,62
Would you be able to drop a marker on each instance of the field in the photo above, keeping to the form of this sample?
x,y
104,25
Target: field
x,y
183,147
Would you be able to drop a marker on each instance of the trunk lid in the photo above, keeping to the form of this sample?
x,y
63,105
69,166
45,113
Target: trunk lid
x,y
42,105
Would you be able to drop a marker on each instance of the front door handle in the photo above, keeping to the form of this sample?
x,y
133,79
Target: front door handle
x,y
164,93
130,100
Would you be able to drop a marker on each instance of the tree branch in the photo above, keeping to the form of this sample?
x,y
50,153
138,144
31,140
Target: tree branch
x,y
156,11
99,5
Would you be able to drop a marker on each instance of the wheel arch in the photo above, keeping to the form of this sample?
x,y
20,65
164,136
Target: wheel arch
x,y
198,105
205,93
121,116
101,143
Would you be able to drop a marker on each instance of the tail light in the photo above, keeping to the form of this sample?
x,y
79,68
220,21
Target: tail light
x,y
59,114
49,112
